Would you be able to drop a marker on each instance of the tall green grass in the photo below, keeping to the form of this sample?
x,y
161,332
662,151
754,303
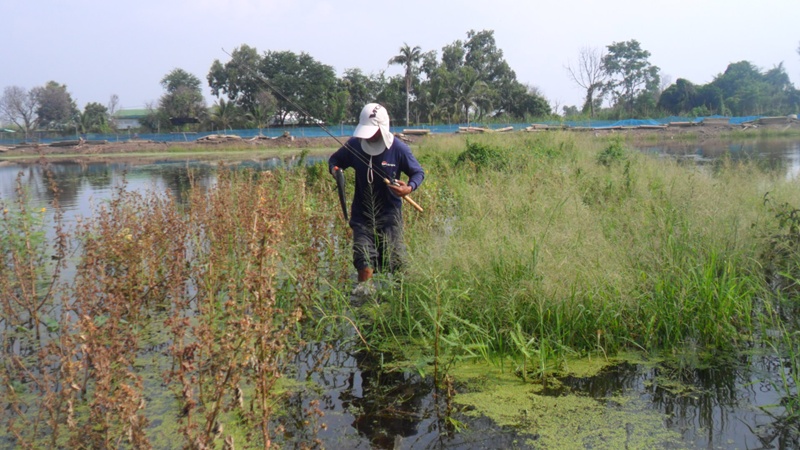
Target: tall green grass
x,y
576,245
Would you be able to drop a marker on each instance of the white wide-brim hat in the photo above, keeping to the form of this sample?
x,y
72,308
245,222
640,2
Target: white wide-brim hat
x,y
374,118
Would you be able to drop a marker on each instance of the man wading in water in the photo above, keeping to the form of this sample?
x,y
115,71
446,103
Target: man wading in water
x,y
376,214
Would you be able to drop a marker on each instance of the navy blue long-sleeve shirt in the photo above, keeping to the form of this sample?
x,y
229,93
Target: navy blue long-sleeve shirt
x,y
375,203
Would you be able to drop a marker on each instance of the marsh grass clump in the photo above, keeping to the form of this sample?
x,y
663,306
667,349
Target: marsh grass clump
x,y
781,255
482,156
580,254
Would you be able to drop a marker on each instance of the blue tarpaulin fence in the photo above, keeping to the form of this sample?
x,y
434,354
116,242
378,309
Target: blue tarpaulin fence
x,y
343,131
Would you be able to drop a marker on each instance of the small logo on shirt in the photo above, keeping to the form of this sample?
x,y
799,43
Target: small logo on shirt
x,y
386,164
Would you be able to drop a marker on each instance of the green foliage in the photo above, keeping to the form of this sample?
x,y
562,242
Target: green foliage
x,y
224,115
742,90
55,106
482,156
781,255
183,98
302,79
630,74
473,81
93,119
179,78
234,79
613,153
361,89
291,78
679,97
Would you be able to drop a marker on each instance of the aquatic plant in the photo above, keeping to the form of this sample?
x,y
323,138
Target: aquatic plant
x,y
213,280
780,329
31,262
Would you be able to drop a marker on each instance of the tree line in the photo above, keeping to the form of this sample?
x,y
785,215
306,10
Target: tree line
x,y
51,107
622,75
470,81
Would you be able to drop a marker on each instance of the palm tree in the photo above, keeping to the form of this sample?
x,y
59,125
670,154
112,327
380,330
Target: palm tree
x,y
408,58
263,110
468,89
225,114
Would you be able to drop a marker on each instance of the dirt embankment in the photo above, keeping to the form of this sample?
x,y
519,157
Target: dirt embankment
x,y
79,149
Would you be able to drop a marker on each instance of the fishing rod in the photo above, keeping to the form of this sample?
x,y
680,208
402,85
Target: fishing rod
x,y
301,110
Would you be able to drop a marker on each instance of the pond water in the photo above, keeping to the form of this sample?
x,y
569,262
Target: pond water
x,y
733,405
781,155
82,185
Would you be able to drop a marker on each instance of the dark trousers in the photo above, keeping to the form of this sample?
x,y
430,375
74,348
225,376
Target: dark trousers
x,y
381,249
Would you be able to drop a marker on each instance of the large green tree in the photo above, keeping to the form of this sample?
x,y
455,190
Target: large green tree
x,y
306,88
474,80
262,111
630,75
433,93
93,119
679,98
526,101
55,107
745,90
183,99
238,79
468,90
361,89
392,96
224,114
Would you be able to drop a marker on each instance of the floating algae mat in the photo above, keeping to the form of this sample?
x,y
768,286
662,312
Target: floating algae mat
x,y
636,405
566,419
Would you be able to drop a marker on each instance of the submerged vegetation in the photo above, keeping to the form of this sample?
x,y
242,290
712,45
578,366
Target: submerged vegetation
x,y
534,250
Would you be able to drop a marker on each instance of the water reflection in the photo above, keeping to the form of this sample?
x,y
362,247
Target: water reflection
x,y
366,406
772,154
732,404
81,185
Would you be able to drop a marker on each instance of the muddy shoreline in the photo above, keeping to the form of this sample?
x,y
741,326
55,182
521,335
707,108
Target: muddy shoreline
x,y
233,146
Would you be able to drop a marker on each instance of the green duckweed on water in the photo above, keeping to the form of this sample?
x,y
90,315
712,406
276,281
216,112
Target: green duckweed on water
x,y
565,421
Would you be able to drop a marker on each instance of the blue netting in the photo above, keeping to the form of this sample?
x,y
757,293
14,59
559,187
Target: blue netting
x,y
343,131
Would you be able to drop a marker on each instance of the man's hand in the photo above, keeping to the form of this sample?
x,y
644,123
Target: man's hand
x,y
400,188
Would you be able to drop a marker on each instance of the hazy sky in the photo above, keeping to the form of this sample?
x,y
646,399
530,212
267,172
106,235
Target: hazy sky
x,y
125,47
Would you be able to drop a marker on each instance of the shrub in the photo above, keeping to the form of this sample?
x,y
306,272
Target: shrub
x,y
482,156
614,152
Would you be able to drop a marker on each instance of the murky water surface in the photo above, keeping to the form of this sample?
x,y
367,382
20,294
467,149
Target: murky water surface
x,y
735,404
780,155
